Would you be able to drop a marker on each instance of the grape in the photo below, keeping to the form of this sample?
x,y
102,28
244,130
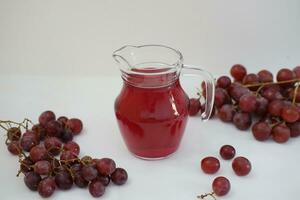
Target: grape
x,y
250,79
281,133
226,113
275,108
96,188
14,147
39,131
261,106
272,93
265,76
28,140
46,117
66,135
87,160
54,129
236,91
104,180
14,134
119,176
248,103
76,167
289,114
223,82
63,120
38,153
63,180
80,181
89,173
25,165
285,75
295,129
221,97
73,147
75,125
106,166
227,152
46,187
221,186
238,72
241,166
32,180
68,156
261,131
210,165
194,106
291,95
42,167
296,70
53,145
242,120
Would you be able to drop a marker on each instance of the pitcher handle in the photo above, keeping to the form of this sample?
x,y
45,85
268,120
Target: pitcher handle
x,y
210,87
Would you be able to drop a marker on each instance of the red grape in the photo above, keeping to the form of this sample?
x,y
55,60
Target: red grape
x,y
261,131
73,147
265,76
66,135
46,187
275,107
26,165
68,156
89,173
39,130
296,70
14,134
42,167
238,72
236,91
63,120
96,188
248,103
221,186
295,129
63,180
53,129
32,180
241,166
14,148
285,75
194,106
226,113
46,117
272,93
242,120
210,165
227,152
53,145
119,176
221,97
261,106
106,166
105,180
289,114
281,133
38,153
28,140
250,79
292,93
80,181
223,82
75,125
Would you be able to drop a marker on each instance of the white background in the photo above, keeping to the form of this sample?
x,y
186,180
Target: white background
x,y
57,55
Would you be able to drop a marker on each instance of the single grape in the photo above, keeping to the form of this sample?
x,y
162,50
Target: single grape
x,y
105,180
66,135
272,93
275,107
89,173
210,165
63,180
261,131
221,186
238,72
285,75
14,134
75,125
227,152
76,167
38,153
194,106
221,97
242,120
248,103
42,167
28,140
106,166
68,156
289,114
46,187
226,112
53,145
39,131
292,93
241,166
14,148
54,129
296,70
119,176
96,188
265,76
80,181
63,120
250,79
281,133
46,117
32,180
236,91
72,146
295,129
261,106
223,82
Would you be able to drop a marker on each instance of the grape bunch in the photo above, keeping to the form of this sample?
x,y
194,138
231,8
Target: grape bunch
x,y
49,158
273,107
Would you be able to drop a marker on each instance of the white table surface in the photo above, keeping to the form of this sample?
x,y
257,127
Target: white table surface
x,y
275,173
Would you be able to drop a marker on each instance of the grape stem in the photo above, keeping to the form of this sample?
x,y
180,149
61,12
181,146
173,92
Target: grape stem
x,y
271,83
202,196
295,94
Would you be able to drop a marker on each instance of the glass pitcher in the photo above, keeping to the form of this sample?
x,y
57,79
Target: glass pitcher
x,y
152,108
